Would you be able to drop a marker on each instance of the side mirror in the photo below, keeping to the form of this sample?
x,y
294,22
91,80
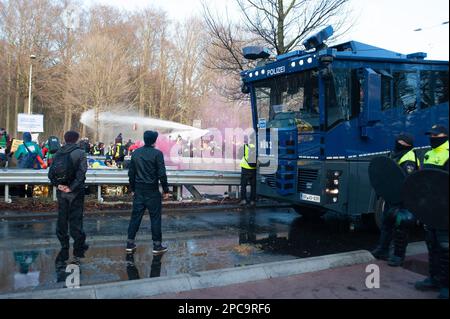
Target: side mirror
x,y
371,102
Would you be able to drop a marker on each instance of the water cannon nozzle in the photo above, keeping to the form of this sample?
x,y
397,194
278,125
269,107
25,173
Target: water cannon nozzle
x,y
317,41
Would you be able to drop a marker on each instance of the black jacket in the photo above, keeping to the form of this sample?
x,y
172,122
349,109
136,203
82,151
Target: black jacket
x,y
79,161
147,169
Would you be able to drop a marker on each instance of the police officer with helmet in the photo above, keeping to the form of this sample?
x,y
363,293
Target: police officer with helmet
x,y
437,239
397,221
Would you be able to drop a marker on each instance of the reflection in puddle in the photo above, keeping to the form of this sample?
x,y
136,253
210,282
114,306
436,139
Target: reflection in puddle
x,y
196,242
133,272
225,240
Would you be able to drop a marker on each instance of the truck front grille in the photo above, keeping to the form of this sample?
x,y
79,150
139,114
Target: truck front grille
x,y
306,177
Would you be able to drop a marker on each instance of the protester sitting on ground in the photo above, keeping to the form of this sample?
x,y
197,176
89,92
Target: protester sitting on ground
x,y
27,154
96,164
110,163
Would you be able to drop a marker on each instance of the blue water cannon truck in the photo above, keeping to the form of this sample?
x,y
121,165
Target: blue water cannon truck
x,y
324,112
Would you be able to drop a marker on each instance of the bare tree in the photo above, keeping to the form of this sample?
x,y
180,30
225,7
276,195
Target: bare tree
x,y
225,51
284,24
140,60
193,79
148,30
28,28
100,79
280,25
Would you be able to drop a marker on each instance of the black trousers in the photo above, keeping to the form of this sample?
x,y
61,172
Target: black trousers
x,y
151,200
395,228
70,218
437,243
248,176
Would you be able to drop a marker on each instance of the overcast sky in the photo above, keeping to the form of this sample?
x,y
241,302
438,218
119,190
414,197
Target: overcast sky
x,y
389,24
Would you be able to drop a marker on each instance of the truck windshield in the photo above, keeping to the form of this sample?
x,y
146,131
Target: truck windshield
x,y
342,96
296,94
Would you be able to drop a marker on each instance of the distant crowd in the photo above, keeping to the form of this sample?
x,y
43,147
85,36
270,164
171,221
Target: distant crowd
x,y
29,154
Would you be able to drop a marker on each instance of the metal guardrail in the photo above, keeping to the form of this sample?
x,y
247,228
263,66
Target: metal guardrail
x,y
119,177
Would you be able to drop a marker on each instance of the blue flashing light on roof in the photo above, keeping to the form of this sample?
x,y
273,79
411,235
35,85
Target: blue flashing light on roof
x,y
417,56
255,53
290,55
317,40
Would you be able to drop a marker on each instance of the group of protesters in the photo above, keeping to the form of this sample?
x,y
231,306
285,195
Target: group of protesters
x,y
26,154
29,154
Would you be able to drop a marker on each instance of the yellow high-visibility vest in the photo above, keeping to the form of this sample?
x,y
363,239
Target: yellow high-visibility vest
x,y
244,161
438,156
410,156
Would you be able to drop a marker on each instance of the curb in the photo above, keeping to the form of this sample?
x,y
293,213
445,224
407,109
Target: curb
x,y
416,248
206,279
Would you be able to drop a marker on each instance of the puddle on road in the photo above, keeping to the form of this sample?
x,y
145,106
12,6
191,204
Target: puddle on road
x,y
38,269
227,240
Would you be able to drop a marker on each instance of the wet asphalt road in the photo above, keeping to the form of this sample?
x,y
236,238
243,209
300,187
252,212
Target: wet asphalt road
x,y
196,241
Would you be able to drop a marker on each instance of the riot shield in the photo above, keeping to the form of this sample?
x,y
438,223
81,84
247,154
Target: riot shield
x,y
387,178
425,194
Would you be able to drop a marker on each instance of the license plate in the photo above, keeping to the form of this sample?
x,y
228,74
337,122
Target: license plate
x,y
310,198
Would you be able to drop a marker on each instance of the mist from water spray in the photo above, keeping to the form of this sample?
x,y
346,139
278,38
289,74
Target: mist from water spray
x,y
226,134
133,126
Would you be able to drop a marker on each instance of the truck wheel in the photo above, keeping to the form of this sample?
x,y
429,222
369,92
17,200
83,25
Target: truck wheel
x,y
309,213
379,208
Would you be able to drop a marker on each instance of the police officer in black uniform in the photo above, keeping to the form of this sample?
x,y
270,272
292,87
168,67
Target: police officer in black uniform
x,y
397,221
437,239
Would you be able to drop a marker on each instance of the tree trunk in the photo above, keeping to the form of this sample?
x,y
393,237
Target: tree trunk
x,y
69,119
83,126
97,123
141,94
142,73
16,100
8,95
280,28
65,118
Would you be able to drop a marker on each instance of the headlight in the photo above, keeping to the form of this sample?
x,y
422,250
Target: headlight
x,y
332,187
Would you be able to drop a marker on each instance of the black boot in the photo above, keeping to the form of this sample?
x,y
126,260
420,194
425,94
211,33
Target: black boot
x,y
432,282
400,244
382,250
443,270
433,255
428,283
